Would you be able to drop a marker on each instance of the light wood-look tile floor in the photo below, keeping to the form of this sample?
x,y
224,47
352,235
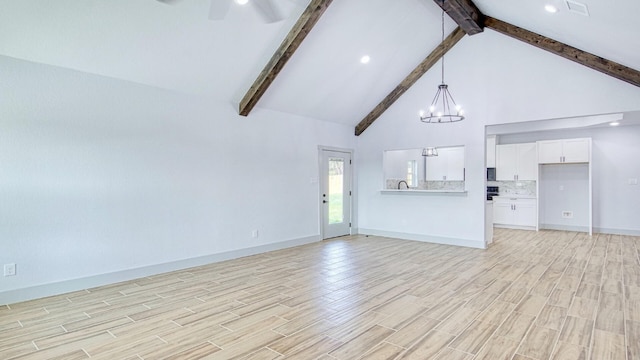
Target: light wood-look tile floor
x,y
532,295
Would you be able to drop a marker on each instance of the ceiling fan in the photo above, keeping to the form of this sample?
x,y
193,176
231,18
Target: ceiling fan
x,y
268,10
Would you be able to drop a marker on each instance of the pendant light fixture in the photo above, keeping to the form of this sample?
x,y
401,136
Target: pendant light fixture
x,y
443,108
429,152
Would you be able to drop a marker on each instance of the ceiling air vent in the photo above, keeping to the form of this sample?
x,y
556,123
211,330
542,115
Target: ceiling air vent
x,y
578,8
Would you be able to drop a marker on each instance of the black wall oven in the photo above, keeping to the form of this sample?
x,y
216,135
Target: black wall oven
x,y
492,191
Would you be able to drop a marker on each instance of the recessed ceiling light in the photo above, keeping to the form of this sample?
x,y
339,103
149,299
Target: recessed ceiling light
x,y
241,2
614,123
551,9
365,59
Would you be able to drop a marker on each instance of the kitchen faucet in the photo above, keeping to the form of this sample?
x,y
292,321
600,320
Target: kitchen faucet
x,y
405,183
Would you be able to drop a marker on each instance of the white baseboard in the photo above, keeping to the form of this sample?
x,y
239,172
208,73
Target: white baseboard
x,y
616,231
564,227
424,238
516,227
62,287
596,230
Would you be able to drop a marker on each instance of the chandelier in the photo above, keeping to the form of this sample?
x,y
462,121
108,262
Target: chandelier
x,y
443,108
429,152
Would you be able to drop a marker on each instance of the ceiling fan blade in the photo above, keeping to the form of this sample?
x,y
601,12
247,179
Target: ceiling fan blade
x,y
268,10
219,9
170,2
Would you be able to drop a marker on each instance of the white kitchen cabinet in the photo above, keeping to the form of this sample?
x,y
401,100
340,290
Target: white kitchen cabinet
x,y
564,151
502,212
447,166
437,167
491,151
516,162
506,162
526,212
515,212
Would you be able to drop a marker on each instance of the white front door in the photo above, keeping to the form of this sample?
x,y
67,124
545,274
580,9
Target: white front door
x,y
335,194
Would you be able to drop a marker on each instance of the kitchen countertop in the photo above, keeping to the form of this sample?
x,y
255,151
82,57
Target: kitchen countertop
x,y
516,196
418,192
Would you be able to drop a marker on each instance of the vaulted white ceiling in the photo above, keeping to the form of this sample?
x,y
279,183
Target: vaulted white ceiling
x,y
610,30
176,47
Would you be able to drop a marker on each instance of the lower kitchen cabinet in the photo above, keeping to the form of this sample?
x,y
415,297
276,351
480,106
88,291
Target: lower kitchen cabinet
x,y
515,212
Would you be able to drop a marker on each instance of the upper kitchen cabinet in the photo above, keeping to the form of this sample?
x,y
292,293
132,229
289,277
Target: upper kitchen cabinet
x,y
516,162
564,151
447,166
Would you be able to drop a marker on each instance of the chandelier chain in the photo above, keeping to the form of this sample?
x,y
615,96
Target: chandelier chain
x,y
442,45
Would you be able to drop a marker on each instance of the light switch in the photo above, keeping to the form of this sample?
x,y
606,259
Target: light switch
x,y
633,181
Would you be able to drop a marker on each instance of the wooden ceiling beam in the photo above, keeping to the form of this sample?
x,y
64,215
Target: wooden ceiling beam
x,y
589,60
287,48
465,13
411,79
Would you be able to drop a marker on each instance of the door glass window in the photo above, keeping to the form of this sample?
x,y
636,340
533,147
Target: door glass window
x,y
336,179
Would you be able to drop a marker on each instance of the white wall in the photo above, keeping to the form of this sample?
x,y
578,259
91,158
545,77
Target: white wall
x,y
99,176
615,154
497,80
564,188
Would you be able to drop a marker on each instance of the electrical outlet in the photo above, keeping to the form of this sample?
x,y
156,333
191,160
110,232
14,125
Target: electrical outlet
x,y
567,214
561,187
9,269
254,234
